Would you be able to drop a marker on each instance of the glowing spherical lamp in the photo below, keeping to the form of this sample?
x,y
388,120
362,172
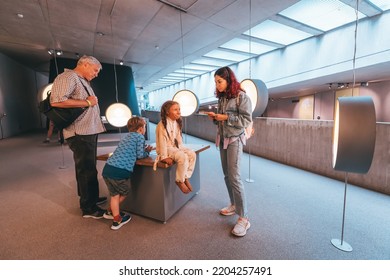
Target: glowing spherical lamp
x,y
258,94
354,134
189,102
118,114
44,91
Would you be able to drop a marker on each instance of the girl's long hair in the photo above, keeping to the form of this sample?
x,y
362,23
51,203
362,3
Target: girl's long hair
x,y
233,86
165,110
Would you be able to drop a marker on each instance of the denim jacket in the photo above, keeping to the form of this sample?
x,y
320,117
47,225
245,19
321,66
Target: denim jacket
x,y
239,112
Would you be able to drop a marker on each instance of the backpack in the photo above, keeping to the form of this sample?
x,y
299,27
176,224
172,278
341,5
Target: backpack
x,y
249,130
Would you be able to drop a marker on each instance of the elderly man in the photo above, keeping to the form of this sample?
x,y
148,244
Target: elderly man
x,y
72,89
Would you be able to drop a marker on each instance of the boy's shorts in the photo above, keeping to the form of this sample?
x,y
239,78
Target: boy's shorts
x,y
118,186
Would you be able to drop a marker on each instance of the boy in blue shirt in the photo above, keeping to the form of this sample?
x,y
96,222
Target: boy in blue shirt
x,y
119,168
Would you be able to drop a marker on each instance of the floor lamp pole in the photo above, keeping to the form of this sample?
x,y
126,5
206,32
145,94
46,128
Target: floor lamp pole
x,y
1,124
63,166
185,130
340,243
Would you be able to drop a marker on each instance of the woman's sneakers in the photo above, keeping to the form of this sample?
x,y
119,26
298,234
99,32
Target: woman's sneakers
x,y
242,224
241,227
118,224
228,211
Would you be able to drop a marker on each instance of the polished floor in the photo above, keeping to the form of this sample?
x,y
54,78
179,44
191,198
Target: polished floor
x,y
294,214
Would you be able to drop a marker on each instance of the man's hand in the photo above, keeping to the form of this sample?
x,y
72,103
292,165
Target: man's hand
x,y
93,100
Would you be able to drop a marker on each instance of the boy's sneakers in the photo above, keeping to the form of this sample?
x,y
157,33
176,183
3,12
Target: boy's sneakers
x,y
241,227
98,214
108,215
117,225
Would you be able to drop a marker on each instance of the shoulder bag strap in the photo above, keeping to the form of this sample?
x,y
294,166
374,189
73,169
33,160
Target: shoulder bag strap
x,y
84,87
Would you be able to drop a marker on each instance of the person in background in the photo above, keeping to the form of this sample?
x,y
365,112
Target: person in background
x,y
234,113
50,131
170,148
72,89
118,170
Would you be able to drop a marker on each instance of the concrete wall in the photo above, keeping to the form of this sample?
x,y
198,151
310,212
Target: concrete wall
x,y
19,88
305,144
321,105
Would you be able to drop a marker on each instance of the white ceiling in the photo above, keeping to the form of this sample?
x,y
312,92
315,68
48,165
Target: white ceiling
x,y
145,34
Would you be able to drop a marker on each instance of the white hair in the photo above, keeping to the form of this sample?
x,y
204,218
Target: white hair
x,y
89,59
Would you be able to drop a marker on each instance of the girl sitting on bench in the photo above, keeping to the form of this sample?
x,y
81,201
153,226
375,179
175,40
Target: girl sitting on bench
x,y
169,145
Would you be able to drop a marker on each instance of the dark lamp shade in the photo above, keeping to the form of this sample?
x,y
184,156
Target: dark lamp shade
x,y
44,91
258,94
188,101
118,114
354,134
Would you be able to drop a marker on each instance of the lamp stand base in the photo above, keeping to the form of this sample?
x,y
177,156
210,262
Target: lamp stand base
x,y
249,180
343,246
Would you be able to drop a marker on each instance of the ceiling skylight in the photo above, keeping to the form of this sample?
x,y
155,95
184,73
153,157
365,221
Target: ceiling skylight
x,y
172,78
212,61
189,71
180,75
243,46
226,54
275,32
204,68
324,15
384,5
287,27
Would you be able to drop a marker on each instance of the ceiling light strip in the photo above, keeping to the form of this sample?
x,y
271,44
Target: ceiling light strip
x,y
296,24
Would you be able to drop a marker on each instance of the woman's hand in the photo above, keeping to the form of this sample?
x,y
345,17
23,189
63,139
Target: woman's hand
x,y
217,117
220,117
211,115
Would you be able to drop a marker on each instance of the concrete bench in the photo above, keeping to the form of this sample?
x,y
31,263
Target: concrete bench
x,y
154,194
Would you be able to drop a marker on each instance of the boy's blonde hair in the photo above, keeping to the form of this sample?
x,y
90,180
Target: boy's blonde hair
x,y
134,123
